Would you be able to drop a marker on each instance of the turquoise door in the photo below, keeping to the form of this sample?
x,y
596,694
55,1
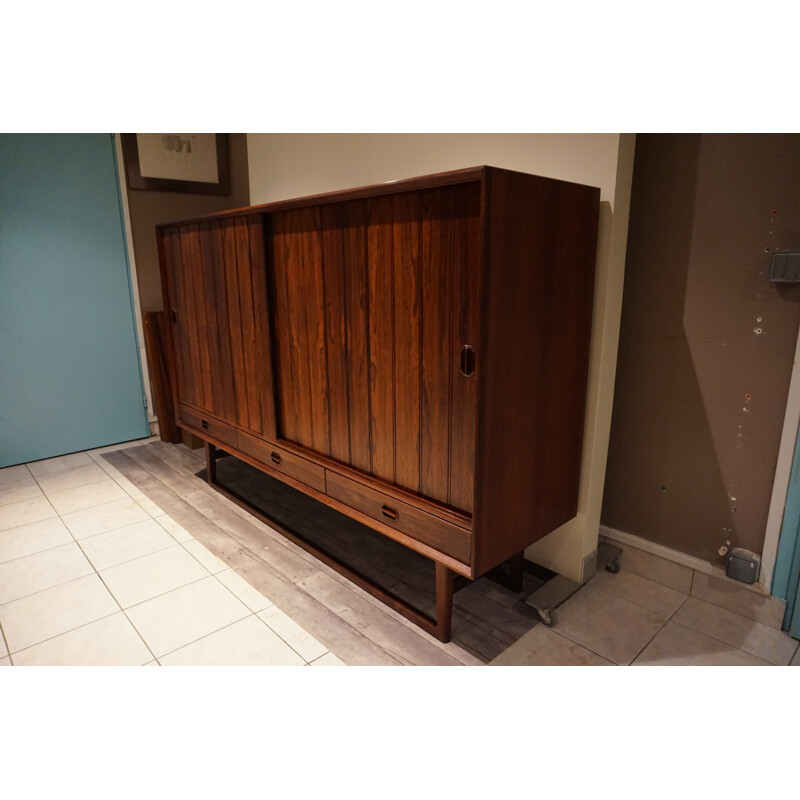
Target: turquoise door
x,y
786,577
70,377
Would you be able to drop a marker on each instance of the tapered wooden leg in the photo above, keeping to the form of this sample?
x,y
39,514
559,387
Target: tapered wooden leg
x,y
444,601
211,463
516,571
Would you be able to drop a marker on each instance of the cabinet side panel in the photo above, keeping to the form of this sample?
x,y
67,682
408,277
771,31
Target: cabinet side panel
x,y
539,287
466,331
381,338
438,248
407,219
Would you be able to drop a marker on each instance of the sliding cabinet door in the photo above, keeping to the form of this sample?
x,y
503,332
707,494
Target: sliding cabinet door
x,y
218,295
374,301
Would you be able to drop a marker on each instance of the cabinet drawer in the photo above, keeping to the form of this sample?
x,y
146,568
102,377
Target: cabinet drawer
x,y
208,426
437,533
281,460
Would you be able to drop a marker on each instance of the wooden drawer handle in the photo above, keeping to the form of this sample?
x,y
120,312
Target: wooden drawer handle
x,y
390,512
275,458
204,423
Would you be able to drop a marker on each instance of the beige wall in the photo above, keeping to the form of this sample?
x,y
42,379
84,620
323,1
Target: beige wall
x,y
293,165
708,342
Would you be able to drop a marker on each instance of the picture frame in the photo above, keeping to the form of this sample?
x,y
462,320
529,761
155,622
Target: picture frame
x,y
194,163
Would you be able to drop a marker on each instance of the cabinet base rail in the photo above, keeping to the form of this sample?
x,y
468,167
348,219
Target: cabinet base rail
x,y
439,627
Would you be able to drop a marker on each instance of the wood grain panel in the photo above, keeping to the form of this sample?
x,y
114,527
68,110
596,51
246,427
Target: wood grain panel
x,y
231,270
381,338
353,218
286,379
465,318
262,347
218,341
194,369
313,298
297,326
252,406
204,315
177,310
407,220
336,330
437,286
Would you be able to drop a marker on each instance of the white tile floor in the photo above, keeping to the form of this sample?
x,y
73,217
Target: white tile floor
x,y
92,572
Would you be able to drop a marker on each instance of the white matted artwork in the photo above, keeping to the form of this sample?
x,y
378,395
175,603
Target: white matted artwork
x,y
196,163
178,156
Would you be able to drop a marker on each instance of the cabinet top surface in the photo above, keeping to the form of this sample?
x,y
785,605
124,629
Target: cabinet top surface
x,y
470,174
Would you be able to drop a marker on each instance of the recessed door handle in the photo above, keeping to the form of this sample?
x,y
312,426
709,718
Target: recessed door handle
x,y
467,361
275,458
204,423
389,512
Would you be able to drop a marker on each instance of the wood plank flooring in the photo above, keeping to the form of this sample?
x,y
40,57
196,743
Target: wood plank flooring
x,y
358,628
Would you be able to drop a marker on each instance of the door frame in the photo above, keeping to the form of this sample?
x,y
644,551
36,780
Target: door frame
x,y
122,184
781,537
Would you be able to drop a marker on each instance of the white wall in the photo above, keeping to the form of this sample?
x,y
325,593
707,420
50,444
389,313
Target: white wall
x,y
294,165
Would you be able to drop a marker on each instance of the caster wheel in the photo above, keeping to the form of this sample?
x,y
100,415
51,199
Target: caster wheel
x,y
613,567
547,618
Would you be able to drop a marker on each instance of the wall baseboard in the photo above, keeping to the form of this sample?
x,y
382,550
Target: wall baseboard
x,y
697,564
658,550
696,577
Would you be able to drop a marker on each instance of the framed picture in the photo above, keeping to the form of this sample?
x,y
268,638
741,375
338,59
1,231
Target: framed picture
x,y
177,162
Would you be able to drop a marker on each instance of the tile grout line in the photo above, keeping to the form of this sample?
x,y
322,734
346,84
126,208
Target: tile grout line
x,y
46,588
214,575
230,624
567,639
637,605
5,642
728,644
100,578
226,502
284,640
111,594
88,559
4,486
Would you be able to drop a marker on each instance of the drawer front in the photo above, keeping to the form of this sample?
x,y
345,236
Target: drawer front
x,y
436,533
208,426
281,460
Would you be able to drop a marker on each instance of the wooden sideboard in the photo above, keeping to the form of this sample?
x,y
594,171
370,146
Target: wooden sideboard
x,y
412,354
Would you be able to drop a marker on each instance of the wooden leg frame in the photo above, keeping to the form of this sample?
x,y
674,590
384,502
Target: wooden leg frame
x,y
439,627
